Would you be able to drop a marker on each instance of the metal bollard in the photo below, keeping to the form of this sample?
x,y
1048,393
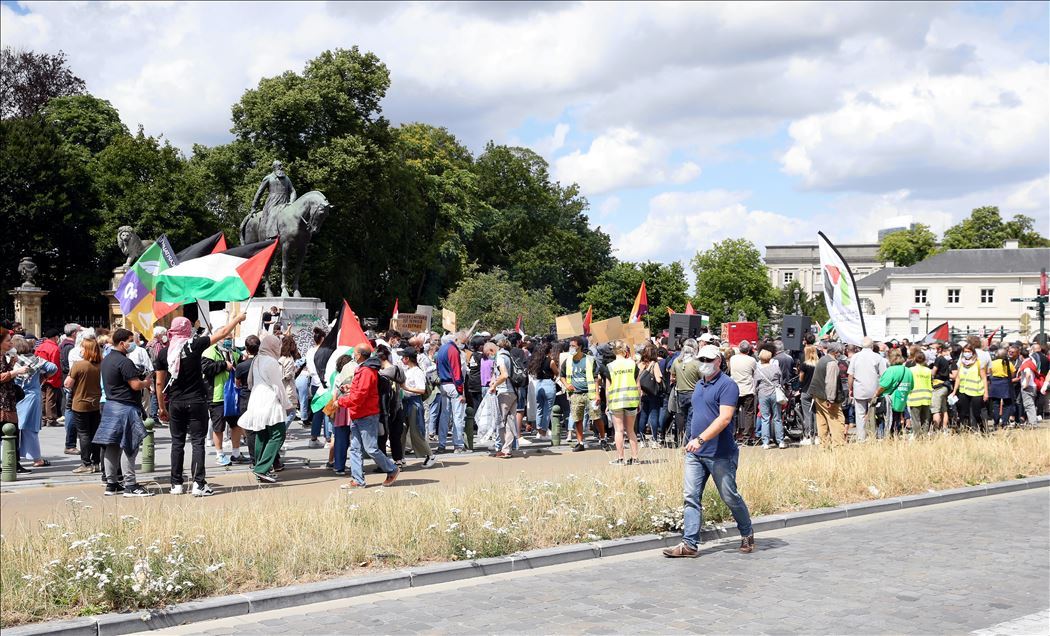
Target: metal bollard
x,y
148,447
556,425
8,460
469,426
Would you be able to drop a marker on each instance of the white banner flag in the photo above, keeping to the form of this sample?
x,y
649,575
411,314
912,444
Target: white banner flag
x,y
840,293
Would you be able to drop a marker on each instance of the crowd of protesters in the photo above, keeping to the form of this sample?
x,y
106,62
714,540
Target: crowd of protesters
x,y
417,394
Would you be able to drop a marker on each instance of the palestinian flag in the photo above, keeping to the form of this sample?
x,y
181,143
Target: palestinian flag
x,y
211,245
641,305
345,334
840,293
940,332
228,276
137,290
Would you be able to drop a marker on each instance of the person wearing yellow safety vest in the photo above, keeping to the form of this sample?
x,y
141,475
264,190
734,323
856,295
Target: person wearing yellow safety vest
x,y
971,388
578,373
624,395
1000,388
921,396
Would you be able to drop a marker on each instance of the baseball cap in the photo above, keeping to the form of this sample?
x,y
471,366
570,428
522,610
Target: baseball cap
x,y
706,337
499,338
708,351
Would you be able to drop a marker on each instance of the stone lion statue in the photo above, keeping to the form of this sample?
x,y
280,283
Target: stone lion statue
x,y
130,244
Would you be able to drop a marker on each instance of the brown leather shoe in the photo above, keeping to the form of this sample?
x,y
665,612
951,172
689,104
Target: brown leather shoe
x,y
681,551
391,477
747,544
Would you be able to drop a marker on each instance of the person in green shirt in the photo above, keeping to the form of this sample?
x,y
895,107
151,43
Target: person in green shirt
x,y
897,381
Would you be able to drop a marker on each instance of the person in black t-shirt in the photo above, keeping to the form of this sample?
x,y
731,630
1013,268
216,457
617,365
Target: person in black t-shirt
x,y
183,398
120,432
942,385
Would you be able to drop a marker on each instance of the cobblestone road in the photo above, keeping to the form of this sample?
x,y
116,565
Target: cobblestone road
x,y
980,564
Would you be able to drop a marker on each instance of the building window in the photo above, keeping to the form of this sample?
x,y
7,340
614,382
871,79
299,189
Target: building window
x,y
953,296
788,277
987,296
920,296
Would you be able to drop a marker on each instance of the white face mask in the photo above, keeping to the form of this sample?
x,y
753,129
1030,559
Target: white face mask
x,y
572,351
707,369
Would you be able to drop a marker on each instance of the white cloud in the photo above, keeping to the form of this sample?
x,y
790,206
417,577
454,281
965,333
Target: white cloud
x,y
622,158
549,145
934,135
607,207
679,224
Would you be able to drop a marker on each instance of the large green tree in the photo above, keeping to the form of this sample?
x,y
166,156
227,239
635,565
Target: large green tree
x,y
731,279
534,227
812,306
496,301
985,228
28,81
614,292
907,247
46,203
85,121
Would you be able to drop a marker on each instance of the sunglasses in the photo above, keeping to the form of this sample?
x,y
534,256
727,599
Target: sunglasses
x,y
707,359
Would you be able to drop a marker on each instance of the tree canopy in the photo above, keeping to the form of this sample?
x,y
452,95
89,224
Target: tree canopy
x,y
614,292
28,81
731,280
496,301
985,228
907,247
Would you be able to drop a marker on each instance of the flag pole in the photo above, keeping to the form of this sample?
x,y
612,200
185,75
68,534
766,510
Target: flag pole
x,y
204,316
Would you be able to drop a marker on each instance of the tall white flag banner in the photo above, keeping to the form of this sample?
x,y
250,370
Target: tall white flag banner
x,y
840,293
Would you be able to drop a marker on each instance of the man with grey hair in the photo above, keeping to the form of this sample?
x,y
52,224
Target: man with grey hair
x,y
828,397
865,369
742,369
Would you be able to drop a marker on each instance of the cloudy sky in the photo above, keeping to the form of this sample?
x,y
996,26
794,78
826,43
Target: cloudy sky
x,y
682,123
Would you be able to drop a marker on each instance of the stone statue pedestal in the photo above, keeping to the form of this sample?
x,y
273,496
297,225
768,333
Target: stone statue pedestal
x,y
27,308
297,314
116,315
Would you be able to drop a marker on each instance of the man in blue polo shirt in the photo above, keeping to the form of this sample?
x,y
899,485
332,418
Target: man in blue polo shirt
x,y
711,452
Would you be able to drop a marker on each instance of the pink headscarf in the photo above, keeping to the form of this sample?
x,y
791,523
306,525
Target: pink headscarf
x,y
178,337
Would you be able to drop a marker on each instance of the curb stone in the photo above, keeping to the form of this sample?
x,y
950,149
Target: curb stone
x,y
282,597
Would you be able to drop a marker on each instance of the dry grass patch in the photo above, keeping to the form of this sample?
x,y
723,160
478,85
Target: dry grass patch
x,y
78,564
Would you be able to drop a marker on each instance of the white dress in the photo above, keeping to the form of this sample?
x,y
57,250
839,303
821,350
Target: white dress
x,y
268,403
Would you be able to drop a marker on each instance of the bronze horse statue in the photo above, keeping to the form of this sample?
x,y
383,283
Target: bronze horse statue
x,y
294,224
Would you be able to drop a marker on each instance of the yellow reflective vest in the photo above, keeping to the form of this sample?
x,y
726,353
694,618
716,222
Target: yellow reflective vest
x,y
588,362
970,381
623,390
922,386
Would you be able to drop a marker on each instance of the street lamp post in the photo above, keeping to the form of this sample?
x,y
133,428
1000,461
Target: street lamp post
x,y
927,316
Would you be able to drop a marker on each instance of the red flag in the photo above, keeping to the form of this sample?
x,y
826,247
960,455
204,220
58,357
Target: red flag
x,y
670,312
992,335
940,332
641,305
689,308
350,333
587,321
517,327
394,317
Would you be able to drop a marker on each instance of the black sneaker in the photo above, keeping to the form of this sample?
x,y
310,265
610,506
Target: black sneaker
x,y
137,491
268,478
240,459
113,490
578,447
632,461
605,444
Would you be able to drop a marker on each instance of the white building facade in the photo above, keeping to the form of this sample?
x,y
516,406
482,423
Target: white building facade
x,y
970,289
801,262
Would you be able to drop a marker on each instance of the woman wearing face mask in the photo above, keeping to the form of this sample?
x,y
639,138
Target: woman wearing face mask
x,y
624,397
971,388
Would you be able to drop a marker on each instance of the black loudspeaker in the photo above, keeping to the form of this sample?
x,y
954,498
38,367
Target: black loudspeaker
x,y
684,326
795,330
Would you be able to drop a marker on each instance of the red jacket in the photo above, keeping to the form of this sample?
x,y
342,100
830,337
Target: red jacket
x,y
48,350
363,398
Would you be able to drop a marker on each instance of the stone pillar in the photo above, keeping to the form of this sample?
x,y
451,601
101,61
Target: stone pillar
x,y
27,308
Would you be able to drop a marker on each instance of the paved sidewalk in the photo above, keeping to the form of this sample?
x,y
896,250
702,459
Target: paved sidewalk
x,y
946,569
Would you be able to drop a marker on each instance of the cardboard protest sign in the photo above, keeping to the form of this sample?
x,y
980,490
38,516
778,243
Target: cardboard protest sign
x,y
570,325
607,330
428,311
414,323
636,333
448,320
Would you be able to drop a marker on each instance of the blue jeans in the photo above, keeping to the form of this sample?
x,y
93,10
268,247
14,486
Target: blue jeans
x,y
723,470
154,405
451,406
365,439
650,412
545,392
434,412
71,429
341,441
305,391
770,410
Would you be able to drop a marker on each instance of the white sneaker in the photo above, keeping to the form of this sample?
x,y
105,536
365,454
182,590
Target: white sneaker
x,y
429,461
765,445
816,441
806,442
782,444
177,489
315,443
524,441
206,491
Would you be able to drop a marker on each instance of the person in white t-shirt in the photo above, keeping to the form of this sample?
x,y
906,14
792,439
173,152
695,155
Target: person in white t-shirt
x,y
312,382
415,389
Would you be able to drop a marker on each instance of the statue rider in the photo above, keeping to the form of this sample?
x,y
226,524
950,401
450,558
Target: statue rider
x,y
281,192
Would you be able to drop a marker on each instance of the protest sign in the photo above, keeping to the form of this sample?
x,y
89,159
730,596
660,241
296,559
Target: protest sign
x,y
570,325
448,320
607,330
